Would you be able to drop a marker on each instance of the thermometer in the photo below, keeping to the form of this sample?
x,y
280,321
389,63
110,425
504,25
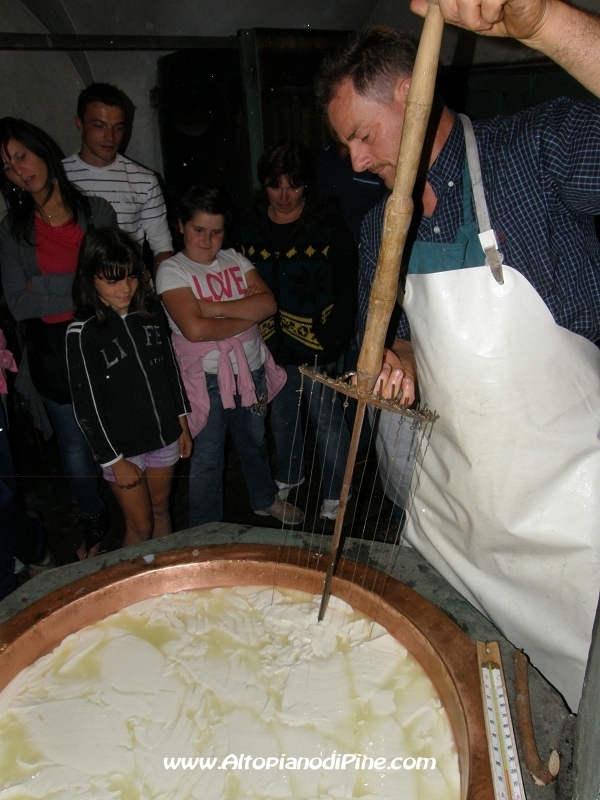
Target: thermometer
x,y
504,759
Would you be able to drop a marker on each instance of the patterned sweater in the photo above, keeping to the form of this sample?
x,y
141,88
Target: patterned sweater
x,y
312,271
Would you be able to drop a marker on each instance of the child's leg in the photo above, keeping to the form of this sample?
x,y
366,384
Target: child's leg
x,y
248,431
207,462
137,510
159,485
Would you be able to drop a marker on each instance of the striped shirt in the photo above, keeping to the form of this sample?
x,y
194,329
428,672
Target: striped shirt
x,y
134,193
541,174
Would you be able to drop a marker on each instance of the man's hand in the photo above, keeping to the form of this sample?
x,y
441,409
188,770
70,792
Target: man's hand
x,y
127,474
521,19
568,35
398,373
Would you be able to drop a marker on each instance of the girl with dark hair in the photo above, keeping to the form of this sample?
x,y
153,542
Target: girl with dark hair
x,y
304,252
40,239
214,299
127,392
113,256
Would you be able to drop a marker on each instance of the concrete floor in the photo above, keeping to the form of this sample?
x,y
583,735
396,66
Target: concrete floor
x,y
553,724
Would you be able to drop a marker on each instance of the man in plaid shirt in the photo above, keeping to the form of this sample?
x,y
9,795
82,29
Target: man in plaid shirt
x,y
540,166
507,500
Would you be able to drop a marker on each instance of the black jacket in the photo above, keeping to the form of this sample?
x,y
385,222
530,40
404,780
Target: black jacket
x,y
126,387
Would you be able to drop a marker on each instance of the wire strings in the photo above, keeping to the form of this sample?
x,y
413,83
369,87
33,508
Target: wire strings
x,y
383,490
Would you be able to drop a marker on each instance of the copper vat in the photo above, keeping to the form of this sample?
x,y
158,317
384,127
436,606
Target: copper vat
x,y
443,650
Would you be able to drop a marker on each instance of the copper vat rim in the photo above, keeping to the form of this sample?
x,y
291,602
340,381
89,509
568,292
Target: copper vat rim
x,y
446,654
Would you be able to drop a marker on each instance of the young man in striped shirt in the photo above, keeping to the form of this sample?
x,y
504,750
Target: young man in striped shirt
x,y
99,169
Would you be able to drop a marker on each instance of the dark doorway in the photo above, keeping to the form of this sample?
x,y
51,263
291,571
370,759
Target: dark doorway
x,y
203,131
210,132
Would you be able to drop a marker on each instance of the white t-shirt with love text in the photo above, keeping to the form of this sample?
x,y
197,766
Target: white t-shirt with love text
x,y
223,280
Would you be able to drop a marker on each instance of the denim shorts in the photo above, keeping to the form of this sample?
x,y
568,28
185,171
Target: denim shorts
x,y
165,457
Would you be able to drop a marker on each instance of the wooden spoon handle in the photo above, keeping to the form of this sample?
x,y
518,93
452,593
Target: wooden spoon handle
x,y
399,207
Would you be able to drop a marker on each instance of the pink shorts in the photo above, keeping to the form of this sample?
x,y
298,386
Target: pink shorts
x,y
165,457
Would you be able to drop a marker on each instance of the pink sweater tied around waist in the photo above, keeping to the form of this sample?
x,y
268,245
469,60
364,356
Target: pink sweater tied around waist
x,y
190,356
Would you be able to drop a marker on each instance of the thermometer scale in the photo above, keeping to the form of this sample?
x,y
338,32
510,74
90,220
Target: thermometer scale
x,y
504,759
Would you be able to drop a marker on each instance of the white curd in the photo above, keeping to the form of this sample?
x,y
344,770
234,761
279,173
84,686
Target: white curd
x,y
243,672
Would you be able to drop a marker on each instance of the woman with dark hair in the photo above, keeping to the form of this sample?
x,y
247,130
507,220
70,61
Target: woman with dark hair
x,y
304,252
40,239
214,299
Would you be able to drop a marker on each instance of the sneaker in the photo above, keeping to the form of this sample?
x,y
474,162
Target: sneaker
x,y
19,566
47,562
329,509
286,488
284,512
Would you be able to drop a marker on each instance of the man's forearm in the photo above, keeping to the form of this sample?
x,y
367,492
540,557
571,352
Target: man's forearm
x,y
571,37
568,35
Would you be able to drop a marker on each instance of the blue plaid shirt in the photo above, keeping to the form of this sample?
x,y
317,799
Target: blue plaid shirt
x,y
541,174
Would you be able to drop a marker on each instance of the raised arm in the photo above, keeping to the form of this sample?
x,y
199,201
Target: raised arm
x,y
185,310
258,304
568,35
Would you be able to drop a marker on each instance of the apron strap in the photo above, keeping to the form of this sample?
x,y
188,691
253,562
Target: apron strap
x,y
487,237
467,205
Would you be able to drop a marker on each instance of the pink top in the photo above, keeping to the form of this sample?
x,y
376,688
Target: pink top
x,y
56,252
190,356
6,362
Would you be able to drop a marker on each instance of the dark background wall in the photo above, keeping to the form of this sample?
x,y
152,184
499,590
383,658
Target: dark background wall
x,y
43,86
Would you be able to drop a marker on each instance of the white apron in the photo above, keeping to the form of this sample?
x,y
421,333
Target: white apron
x,y
507,506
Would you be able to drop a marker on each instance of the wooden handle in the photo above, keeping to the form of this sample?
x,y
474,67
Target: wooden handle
x,y
399,207
542,774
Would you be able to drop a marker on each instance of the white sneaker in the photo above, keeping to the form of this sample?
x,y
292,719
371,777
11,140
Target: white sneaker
x,y
19,566
286,488
329,509
286,513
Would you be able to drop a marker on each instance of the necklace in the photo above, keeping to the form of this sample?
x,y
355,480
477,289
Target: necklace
x,y
46,217
54,199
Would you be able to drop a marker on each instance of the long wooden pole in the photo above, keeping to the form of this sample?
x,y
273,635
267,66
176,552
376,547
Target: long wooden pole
x,y
396,222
